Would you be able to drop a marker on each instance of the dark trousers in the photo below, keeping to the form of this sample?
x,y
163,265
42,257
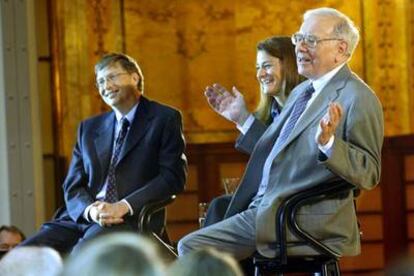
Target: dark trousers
x,y
216,209
67,236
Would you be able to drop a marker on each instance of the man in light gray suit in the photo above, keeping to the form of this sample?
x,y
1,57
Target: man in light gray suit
x,y
330,130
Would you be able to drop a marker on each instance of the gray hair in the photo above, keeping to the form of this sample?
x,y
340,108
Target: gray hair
x,y
31,261
344,28
118,253
205,262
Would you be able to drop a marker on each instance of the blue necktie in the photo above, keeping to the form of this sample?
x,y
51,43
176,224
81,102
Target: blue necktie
x,y
111,194
274,110
298,109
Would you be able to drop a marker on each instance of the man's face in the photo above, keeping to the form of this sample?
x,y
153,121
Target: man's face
x,y
117,87
9,240
315,62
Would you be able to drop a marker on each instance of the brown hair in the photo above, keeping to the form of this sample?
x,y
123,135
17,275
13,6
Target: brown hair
x,y
127,63
12,229
282,48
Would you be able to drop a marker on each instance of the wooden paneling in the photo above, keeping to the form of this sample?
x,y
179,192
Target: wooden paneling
x,y
411,248
371,258
178,230
234,169
371,227
410,225
370,201
409,167
409,197
184,208
393,195
192,179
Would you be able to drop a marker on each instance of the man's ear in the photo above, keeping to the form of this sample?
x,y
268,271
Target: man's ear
x,y
343,47
135,78
342,51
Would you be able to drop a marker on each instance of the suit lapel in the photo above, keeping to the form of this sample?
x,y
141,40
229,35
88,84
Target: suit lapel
x,y
320,105
104,141
138,128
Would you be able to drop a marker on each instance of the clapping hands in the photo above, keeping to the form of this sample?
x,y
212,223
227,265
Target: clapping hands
x,y
230,105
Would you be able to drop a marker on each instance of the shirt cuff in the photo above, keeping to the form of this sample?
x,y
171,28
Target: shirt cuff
x,y
247,124
131,211
327,148
86,213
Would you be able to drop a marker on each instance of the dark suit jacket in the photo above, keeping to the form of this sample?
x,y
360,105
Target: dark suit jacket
x,y
245,143
151,165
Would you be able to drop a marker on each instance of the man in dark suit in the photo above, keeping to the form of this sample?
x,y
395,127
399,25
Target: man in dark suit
x,y
331,129
122,160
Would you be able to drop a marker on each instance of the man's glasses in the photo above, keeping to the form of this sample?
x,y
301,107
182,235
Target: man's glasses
x,y
310,40
111,77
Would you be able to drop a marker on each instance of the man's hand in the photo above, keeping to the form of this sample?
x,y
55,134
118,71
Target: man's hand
x,y
107,214
94,211
229,105
329,123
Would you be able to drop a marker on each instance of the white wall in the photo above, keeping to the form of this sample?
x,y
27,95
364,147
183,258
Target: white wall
x,y
21,179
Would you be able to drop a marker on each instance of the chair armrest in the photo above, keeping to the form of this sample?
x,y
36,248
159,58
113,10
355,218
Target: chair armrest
x,y
149,209
286,215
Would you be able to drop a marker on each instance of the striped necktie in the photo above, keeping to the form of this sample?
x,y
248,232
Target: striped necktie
x,y
298,109
111,194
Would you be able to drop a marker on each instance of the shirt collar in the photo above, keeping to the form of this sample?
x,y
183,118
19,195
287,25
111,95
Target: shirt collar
x,y
320,83
130,115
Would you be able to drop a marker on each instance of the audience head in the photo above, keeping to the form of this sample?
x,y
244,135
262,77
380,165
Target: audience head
x,y
276,72
205,262
124,254
31,261
10,236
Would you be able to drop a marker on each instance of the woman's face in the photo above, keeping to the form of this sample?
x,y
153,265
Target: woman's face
x,y
268,73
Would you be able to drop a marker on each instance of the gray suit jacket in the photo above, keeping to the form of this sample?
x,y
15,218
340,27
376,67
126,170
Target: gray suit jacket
x,y
355,158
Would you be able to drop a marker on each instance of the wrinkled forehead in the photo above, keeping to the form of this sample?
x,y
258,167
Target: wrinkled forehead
x,y
318,25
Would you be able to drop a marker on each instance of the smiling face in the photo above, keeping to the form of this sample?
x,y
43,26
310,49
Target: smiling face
x,y
117,87
326,55
268,73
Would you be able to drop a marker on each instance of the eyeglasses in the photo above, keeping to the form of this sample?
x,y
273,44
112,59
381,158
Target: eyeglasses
x,y
310,40
111,77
